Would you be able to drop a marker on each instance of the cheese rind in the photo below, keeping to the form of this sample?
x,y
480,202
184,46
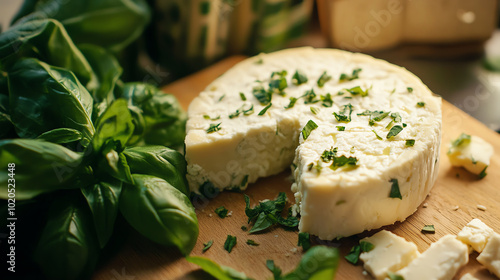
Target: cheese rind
x,y
440,261
473,156
336,202
390,254
490,257
476,234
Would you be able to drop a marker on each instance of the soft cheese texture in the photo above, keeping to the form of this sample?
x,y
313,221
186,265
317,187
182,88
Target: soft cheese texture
x,y
475,234
474,155
440,261
332,203
490,257
390,254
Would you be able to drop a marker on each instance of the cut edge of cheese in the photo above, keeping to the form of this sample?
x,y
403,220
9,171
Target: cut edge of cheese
x,y
490,256
475,234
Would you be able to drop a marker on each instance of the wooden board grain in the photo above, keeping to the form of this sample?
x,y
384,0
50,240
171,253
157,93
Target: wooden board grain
x,y
142,259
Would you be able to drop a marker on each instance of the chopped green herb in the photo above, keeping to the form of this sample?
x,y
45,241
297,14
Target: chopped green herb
x,y
483,173
280,74
395,130
353,76
263,111
378,137
389,125
310,97
329,155
393,91
326,100
394,276
304,241
266,213
306,131
341,92
222,97
274,269
353,256
366,246
221,211
216,270
352,150
314,110
278,85
262,95
244,182
323,79
341,115
377,116
395,193
316,167
396,117
340,128
230,242
207,245
244,228
207,117
293,100
248,112
463,139
252,243
299,78
259,61
358,91
404,125
410,89
365,113
429,229
243,97
343,161
420,104
410,142
214,128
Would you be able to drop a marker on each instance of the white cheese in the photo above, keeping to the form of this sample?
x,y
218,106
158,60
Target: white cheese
x,y
337,202
473,155
468,276
440,261
475,234
490,257
390,254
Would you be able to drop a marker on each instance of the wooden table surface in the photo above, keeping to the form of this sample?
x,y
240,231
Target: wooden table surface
x,y
142,259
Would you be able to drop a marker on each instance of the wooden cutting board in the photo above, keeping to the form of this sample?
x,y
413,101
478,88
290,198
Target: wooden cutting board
x,y
142,259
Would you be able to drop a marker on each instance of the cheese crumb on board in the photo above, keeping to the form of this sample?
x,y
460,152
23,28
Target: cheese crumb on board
x,y
481,207
391,253
440,261
471,152
490,256
475,234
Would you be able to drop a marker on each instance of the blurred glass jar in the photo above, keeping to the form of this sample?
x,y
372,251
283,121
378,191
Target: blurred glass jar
x,y
188,35
369,25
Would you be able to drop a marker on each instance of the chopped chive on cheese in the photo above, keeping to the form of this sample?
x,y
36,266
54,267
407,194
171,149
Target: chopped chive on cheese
x,y
428,229
222,97
207,117
463,139
396,117
248,111
316,167
263,111
278,85
243,97
310,126
358,91
343,161
259,61
395,193
410,89
356,250
230,242
395,130
310,97
262,95
221,211
420,104
314,110
341,115
340,128
483,173
326,100
389,125
353,76
214,128
207,245
410,142
293,100
394,276
252,243
299,78
366,246
378,137
323,79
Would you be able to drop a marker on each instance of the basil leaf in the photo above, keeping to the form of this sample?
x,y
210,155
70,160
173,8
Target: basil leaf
x,y
62,136
160,212
36,159
304,241
263,222
67,248
161,162
221,212
353,256
230,243
326,262
366,246
274,269
43,98
207,245
306,131
103,200
395,193
220,272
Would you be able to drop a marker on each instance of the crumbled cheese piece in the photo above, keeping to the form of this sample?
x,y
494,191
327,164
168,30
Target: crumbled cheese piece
x,y
468,276
475,234
455,208
473,155
425,205
230,213
481,207
490,257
